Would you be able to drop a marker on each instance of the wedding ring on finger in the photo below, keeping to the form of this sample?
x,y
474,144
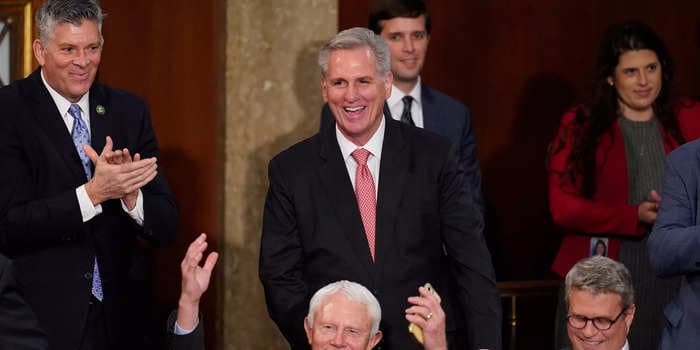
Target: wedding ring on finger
x,y
428,316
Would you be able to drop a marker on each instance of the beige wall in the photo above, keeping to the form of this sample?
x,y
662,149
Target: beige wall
x,y
272,101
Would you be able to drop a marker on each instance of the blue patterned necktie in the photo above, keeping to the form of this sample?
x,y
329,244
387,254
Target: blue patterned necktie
x,y
81,137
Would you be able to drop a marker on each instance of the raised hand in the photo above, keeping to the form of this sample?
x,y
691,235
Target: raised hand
x,y
195,281
427,313
119,179
121,157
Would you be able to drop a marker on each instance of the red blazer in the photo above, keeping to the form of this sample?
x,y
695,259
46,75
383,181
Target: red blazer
x,y
607,213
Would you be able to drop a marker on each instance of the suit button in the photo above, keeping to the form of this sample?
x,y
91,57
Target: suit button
x,y
88,276
375,292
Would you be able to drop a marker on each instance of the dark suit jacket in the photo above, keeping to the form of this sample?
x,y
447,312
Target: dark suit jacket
x,y
450,118
41,226
191,341
18,327
674,245
313,235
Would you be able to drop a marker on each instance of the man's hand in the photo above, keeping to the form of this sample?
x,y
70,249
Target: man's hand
x,y
195,281
111,181
646,211
121,157
427,313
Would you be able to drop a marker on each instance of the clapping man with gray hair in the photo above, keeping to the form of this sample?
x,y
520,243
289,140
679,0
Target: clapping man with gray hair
x,y
600,300
71,216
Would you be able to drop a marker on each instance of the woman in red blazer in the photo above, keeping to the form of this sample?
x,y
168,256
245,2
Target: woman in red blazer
x,y
606,165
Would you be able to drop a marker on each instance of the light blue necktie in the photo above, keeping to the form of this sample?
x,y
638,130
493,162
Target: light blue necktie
x,y
81,137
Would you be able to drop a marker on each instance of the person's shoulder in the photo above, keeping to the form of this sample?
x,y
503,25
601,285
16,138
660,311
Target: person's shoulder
x,y
13,93
683,153
300,151
570,116
116,95
445,100
423,138
15,100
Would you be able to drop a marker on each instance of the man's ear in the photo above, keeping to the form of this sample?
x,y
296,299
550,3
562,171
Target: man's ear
x,y
324,89
374,340
38,49
307,328
387,84
629,316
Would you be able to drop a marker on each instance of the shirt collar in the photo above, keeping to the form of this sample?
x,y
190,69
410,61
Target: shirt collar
x,y
396,95
626,346
374,145
63,104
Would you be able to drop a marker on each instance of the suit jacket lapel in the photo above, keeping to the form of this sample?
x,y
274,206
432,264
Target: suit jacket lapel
x,y
335,181
100,118
396,162
430,109
48,118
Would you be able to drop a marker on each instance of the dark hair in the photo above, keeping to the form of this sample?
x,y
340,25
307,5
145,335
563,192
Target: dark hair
x,y
591,123
388,9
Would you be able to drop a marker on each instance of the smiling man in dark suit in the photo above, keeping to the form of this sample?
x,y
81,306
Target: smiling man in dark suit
x,y
405,25
70,217
375,201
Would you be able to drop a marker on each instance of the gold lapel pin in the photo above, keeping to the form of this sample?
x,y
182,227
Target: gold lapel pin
x,y
100,110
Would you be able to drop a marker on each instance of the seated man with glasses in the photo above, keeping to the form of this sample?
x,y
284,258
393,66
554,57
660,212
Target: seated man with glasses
x,y
600,301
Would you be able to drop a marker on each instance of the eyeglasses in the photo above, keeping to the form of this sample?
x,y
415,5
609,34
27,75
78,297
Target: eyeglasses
x,y
600,323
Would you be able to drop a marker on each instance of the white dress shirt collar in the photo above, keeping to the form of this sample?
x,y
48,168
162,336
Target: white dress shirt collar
x,y
395,103
63,104
373,145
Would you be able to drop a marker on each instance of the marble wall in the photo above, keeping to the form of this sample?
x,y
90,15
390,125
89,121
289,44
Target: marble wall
x,y
272,100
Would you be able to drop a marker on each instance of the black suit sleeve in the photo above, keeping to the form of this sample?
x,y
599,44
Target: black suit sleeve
x,y
281,257
19,329
470,160
160,211
470,261
191,341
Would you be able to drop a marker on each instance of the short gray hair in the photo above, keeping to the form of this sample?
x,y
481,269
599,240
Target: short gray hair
x,y
601,275
54,12
352,291
354,38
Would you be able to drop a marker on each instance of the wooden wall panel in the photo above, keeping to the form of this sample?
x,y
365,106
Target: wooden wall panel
x,y
519,65
171,53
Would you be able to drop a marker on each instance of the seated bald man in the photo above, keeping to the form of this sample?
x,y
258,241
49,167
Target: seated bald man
x,y
342,314
346,315
600,300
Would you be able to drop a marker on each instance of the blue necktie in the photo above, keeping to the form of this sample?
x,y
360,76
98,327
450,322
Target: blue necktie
x,y
81,137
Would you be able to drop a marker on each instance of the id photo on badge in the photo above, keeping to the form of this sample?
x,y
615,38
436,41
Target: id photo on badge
x,y
599,246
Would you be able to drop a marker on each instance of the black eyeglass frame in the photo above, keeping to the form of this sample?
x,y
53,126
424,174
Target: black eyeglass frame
x,y
593,320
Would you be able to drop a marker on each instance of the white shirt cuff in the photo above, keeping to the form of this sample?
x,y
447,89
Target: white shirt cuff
x,y
87,210
180,331
137,212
